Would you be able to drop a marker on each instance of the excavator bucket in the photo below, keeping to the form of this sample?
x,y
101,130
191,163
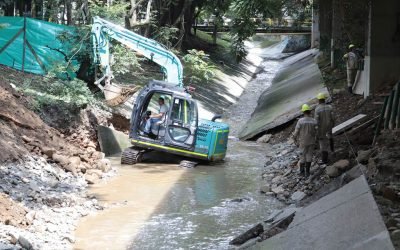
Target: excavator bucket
x,y
116,94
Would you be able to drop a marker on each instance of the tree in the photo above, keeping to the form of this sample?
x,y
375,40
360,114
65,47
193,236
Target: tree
x,y
245,10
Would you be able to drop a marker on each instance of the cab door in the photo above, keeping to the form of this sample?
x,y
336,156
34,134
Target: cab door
x,y
182,123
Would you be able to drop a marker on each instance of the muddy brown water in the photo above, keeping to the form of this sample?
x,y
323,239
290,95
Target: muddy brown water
x,y
162,206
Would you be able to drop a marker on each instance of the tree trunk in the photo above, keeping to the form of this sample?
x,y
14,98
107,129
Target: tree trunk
x,y
68,5
33,9
148,18
215,30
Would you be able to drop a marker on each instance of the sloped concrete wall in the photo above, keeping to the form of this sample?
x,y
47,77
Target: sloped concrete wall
x,y
348,218
298,82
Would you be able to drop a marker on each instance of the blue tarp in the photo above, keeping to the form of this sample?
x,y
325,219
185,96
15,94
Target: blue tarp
x,y
41,50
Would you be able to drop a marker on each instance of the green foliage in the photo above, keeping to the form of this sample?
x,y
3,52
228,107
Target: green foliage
x,y
58,92
53,90
115,13
125,59
198,68
244,25
166,35
208,38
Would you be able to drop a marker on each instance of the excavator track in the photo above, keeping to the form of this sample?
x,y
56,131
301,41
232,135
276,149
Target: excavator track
x,y
131,156
188,164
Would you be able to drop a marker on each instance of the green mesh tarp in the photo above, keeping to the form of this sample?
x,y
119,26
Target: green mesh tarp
x,y
31,45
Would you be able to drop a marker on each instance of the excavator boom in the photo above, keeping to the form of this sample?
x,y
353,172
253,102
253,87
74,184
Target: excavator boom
x,y
102,31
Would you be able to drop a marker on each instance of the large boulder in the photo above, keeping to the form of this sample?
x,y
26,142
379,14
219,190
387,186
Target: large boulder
x,y
342,164
332,171
363,156
91,178
104,165
264,139
297,196
278,190
265,189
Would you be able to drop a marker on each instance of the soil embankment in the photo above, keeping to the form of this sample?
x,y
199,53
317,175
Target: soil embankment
x,y
44,173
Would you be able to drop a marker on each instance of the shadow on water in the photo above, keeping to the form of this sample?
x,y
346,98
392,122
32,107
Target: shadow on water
x,y
209,204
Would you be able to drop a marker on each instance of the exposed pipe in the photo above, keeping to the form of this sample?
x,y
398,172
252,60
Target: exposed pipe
x,y
388,110
379,123
395,107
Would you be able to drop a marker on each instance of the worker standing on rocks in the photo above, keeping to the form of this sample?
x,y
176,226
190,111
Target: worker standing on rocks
x,y
324,117
304,135
351,60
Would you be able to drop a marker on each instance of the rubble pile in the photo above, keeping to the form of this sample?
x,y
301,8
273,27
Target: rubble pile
x,y
48,200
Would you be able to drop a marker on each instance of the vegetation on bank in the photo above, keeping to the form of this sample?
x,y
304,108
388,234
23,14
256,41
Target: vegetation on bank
x,y
168,22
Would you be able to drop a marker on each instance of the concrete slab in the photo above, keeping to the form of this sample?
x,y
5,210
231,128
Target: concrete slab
x,y
112,142
298,82
345,219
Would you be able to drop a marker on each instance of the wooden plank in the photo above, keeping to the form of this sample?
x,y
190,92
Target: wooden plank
x,y
348,124
364,125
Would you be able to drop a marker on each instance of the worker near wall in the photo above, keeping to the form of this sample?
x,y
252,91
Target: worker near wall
x,y
324,116
304,135
351,60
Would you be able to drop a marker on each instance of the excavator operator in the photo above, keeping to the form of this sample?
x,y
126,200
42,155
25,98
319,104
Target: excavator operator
x,y
154,118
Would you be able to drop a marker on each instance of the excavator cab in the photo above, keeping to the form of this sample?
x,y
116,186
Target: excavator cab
x,y
180,132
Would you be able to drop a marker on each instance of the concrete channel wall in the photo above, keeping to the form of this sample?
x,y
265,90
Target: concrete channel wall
x,y
345,219
298,82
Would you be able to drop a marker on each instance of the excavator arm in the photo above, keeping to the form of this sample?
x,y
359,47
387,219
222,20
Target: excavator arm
x,y
103,31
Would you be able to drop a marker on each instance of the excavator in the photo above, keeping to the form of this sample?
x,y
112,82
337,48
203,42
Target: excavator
x,y
180,131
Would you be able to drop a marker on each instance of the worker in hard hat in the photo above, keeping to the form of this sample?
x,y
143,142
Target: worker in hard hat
x,y
305,134
324,116
351,60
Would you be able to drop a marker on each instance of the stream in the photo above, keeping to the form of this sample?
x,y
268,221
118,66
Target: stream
x,y
162,206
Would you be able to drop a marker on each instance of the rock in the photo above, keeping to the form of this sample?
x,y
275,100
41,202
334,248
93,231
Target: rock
x,y
332,171
69,238
363,156
288,172
337,91
62,159
73,165
97,155
391,223
372,170
278,190
30,216
97,172
264,139
389,193
395,235
342,164
265,189
104,165
75,161
25,243
26,139
85,157
48,151
91,145
13,238
297,196
71,168
277,179
91,179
